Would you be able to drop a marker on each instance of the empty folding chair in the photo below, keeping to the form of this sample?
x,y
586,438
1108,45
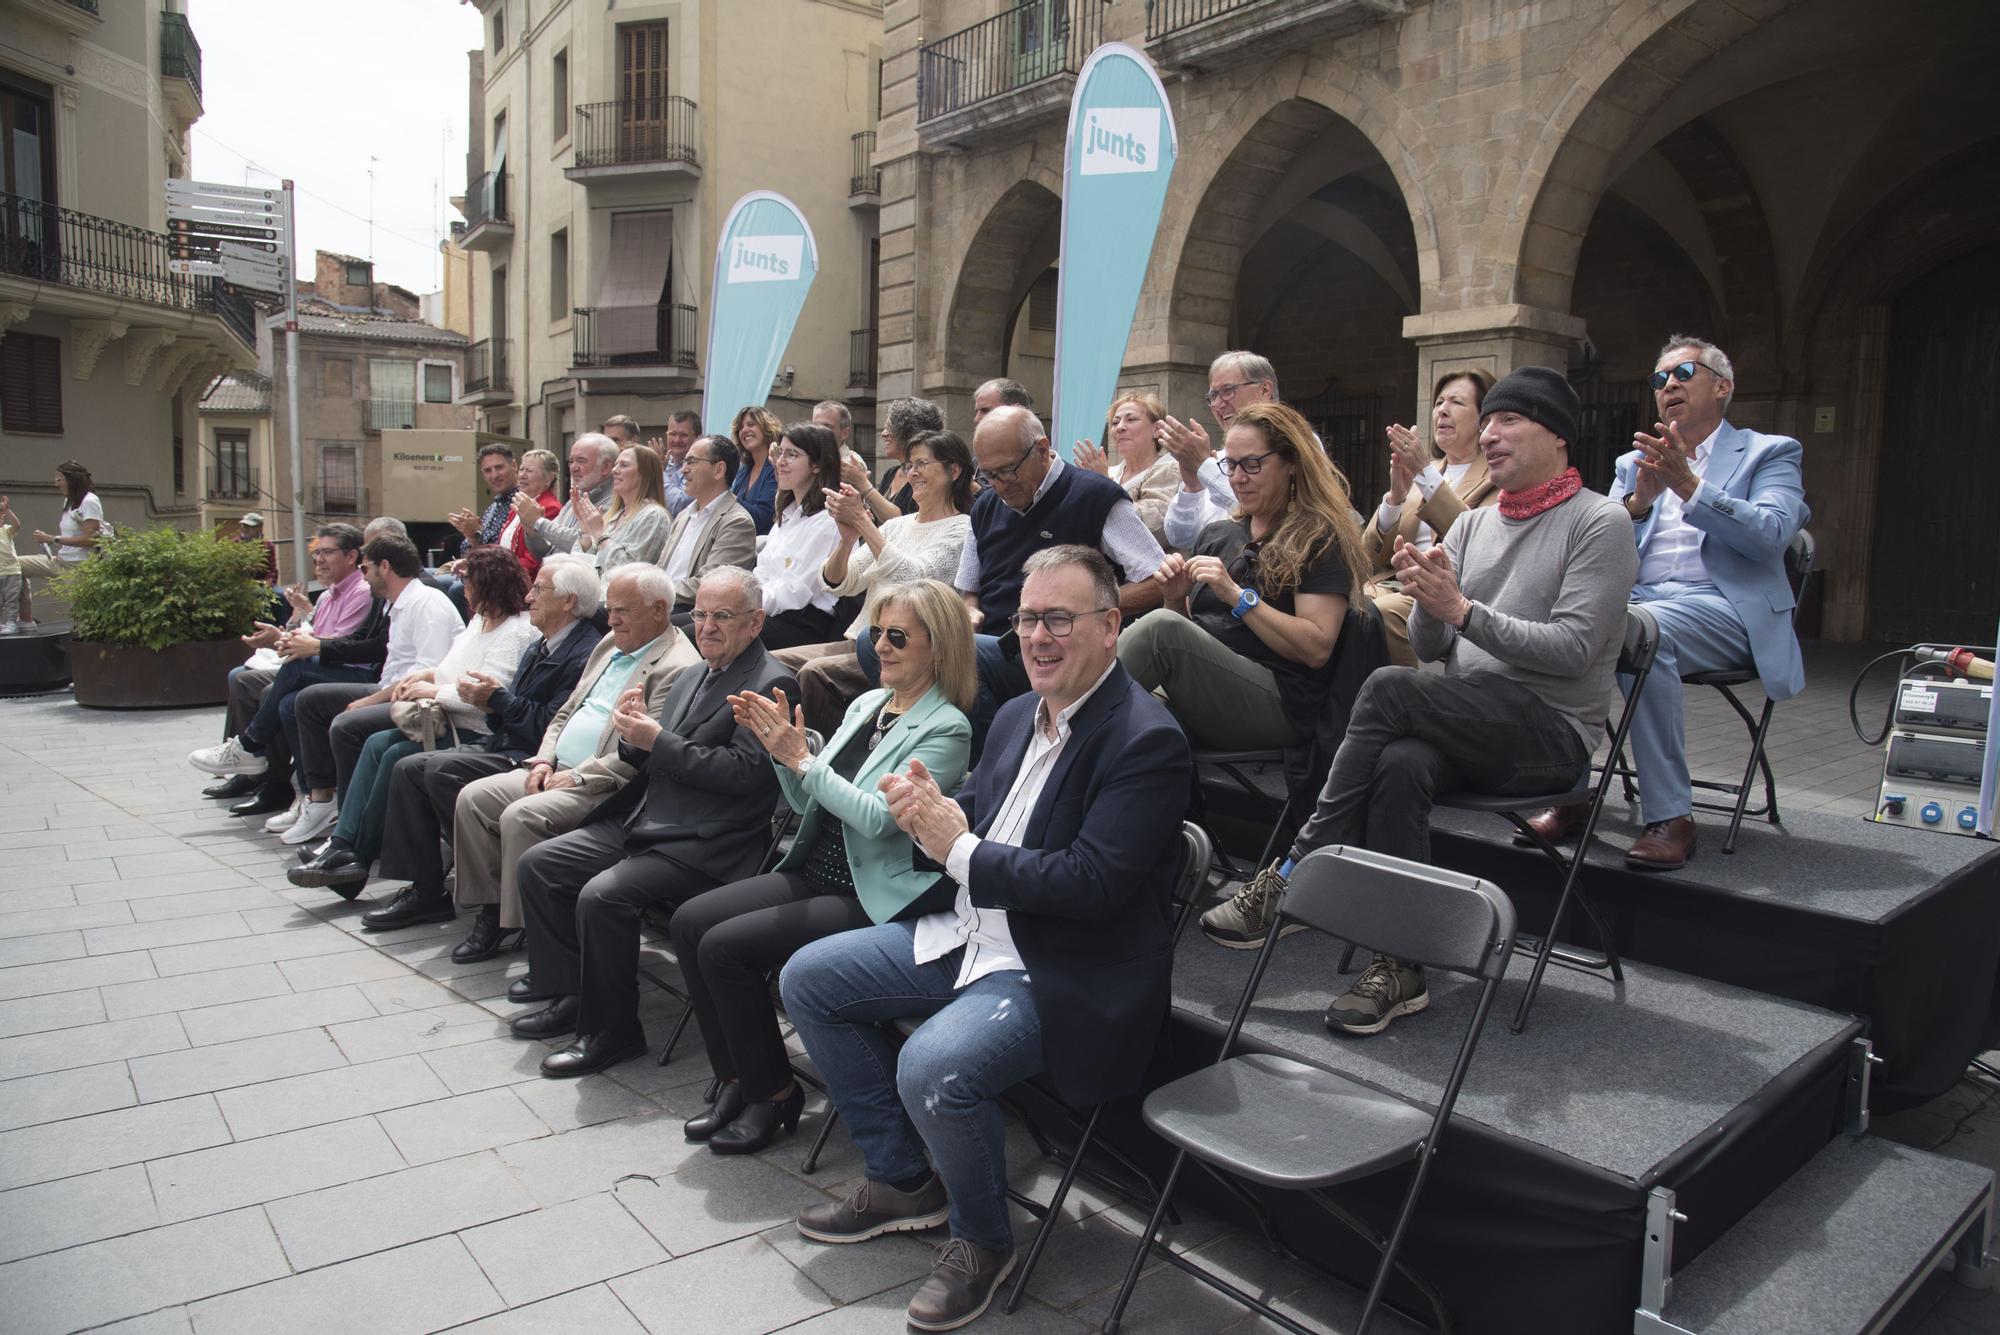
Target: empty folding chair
x,y
1292,1126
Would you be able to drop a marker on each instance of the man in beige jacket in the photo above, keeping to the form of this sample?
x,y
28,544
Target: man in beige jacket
x,y
501,817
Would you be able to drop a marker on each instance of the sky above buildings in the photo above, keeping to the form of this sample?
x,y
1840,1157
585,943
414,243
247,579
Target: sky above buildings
x,y
314,91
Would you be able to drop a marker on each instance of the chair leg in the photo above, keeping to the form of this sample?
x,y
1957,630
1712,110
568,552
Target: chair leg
x,y
1054,1216
1547,949
811,1165
680,1027
1110,1326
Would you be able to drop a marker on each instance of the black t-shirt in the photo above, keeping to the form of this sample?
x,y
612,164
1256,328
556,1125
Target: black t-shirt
x,y
1301,688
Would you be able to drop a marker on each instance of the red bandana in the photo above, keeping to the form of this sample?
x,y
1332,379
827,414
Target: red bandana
x,y
1527,504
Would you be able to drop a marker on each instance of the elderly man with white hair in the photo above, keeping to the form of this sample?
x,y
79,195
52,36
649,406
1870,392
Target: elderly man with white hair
x,y
591,456
498,819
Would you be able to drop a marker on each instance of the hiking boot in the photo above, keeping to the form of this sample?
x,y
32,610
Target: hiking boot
x,y
1387,988
874,1209
961,1287
1242,921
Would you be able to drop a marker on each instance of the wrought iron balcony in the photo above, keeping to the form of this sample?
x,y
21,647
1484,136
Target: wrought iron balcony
x,y
486,372
636,136
180,53
46,244
230,483
861,348
1214,34
489,220
334,496
636,339
981,77
391,414
867,177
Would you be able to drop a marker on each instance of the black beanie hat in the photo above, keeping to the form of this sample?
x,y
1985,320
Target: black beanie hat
x,y
1541,395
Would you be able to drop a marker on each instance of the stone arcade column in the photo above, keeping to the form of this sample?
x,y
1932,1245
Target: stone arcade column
x,y
1494,339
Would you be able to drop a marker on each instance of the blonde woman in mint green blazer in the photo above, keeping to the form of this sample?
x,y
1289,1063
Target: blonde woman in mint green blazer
x,y
850,866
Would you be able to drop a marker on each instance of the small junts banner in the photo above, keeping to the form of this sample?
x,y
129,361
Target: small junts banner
x,y
1120,156
764,267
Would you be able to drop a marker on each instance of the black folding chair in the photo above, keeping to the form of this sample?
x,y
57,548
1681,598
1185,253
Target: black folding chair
x,y
1197,852
1642,641
1234,764
1799,559
1293,1126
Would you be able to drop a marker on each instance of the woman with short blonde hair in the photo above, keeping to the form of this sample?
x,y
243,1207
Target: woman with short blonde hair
x,y
633,527
1150,476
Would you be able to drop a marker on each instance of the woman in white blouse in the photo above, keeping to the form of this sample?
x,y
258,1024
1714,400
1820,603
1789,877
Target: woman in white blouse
x,y
1148,473
633,527
495,639
869,558
798,609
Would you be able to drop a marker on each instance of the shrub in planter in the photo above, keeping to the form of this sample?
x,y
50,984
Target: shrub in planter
x,y
156,610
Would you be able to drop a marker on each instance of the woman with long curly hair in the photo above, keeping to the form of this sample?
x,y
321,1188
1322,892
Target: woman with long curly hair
x,y
1253,616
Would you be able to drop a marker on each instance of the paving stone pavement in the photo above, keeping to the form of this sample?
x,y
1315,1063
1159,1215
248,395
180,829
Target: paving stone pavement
x,y
222,1108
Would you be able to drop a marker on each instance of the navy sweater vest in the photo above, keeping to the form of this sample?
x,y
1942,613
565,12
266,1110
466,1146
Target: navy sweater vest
x,y
1073,510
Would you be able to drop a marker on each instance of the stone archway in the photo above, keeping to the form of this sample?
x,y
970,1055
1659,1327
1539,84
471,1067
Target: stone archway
x,y
994,271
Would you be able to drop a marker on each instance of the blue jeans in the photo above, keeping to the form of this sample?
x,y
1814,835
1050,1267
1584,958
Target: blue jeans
x,y
1699,632
364,807
938,1092
1001,678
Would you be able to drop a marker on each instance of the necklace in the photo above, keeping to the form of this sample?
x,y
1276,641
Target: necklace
x,y
883,722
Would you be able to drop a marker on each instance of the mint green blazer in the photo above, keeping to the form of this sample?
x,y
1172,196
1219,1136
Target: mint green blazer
x,y
878,853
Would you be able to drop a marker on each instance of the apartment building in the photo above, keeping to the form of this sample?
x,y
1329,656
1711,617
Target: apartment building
x,y
103,351
608,144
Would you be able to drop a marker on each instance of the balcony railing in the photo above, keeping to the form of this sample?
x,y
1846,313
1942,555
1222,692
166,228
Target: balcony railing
x,y
87,6
180,53
335,497
486,367
229,483
861,357
638,130
486,200
609,336
1011,50
1170,16
867,177
47,244
391,414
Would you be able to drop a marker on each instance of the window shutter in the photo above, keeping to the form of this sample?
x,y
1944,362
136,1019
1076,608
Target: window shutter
x,y
31,384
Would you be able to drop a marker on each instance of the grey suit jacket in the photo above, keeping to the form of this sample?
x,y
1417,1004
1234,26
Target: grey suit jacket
x,y
604,771
728,537
710,788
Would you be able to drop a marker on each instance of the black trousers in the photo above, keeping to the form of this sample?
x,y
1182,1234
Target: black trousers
x,y
246,692
582,898
423,792
801,625
1413,735
729,942
331,735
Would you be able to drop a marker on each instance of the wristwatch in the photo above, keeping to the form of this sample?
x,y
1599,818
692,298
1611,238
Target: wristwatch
x,y
1246,600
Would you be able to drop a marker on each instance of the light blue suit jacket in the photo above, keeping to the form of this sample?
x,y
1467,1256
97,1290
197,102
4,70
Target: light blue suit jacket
x,y
1750,505
878,853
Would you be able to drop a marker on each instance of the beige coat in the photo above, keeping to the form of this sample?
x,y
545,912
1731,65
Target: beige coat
x,y
1473,491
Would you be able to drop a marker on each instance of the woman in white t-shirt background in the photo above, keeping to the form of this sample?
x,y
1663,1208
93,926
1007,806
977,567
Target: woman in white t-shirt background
x,y
76,534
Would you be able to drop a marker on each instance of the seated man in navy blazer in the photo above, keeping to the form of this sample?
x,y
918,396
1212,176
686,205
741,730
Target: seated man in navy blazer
x,y
1713,508
1049,951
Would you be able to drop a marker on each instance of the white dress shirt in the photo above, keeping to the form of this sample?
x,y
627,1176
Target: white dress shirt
x,y
989,945
422,625
788,566
680,561
1673,550
1126,540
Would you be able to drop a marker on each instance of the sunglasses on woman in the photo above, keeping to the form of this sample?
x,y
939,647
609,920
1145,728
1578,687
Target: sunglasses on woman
x,y
898,638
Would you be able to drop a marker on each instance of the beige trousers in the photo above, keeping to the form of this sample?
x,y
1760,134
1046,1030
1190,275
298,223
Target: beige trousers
x,y
495,822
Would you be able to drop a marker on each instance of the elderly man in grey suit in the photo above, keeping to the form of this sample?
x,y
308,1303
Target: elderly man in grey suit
x,y
714,530
702,819
590,458
499,818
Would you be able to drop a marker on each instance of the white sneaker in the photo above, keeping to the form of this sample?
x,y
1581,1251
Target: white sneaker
x,y
10,628
315,819
283,820
229,758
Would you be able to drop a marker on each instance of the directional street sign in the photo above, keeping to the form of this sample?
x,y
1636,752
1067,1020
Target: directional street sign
x,y
189,226
202,267
188,191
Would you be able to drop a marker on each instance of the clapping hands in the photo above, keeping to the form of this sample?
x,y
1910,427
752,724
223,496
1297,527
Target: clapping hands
x,y
1430,578
922,811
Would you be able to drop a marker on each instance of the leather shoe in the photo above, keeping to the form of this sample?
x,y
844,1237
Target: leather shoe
x,y
409,907
961,1287
1556,824
1665,845
593,1053
235,786
523,990
263,802
558,1017
758,1124
722,1110
336,866
319,850
486,938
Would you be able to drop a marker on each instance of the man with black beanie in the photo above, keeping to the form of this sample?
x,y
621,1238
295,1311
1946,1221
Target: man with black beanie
x,y
1524,604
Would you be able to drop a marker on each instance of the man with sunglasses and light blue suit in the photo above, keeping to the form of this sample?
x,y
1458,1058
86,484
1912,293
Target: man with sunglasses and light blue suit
x,y
1714,508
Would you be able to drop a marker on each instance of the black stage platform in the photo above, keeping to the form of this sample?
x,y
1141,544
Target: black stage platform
x,y
1898,925
1534,1214
34,661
